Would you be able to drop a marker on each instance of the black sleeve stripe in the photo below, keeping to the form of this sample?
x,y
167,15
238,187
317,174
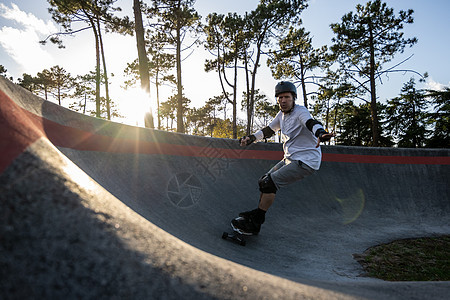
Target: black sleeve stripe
x,y
310,124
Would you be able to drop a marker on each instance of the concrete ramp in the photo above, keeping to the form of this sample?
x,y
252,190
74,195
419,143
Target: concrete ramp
x,y
98,209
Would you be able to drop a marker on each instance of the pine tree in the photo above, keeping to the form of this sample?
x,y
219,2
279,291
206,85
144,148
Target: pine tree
x,y
364,42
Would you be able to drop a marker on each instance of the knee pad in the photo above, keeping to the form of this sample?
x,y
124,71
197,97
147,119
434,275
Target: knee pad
x,y
266,185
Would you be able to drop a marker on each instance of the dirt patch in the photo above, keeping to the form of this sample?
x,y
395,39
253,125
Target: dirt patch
x,y
416,259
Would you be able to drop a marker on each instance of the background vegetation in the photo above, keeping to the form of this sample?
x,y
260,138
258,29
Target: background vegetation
x,y
343,96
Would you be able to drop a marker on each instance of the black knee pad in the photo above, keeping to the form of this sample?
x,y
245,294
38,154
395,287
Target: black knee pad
x,y
266,185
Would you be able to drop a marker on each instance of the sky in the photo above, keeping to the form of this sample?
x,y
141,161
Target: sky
x,y
23,23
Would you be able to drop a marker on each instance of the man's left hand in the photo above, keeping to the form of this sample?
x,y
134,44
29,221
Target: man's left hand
x,y
323,138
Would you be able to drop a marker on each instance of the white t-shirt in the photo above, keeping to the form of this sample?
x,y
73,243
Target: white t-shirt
x,y
299,143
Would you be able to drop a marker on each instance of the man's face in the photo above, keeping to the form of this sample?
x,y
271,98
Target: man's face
x,y
285,101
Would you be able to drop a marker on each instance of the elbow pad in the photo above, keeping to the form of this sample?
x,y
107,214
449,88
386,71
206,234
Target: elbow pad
x,y
310,125
268,132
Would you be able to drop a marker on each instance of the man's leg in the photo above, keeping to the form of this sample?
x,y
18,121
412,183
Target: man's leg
x,y
266,201
250,221
284,174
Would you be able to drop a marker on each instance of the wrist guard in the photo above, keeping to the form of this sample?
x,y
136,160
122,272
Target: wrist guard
x,y
320,132
267,132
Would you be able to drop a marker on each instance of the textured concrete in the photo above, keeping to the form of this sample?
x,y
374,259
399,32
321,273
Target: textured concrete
x,y
97,209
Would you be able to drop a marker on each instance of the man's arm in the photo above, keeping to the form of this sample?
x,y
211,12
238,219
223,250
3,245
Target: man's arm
x,y
317,129
264,133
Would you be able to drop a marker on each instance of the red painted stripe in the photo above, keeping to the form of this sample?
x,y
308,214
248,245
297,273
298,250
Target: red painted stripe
x,y
385,159
17,131
69,137
73,138
32,127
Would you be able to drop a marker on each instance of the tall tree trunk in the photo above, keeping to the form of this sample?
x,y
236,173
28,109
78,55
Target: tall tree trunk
x,y
252,90
142,57
105,73
373,96
59,95
140,42
180,123
235,97
414,125
302,80
84,106
97,71
247,81
157,98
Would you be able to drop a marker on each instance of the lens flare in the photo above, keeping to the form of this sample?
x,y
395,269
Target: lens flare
x,y
352,206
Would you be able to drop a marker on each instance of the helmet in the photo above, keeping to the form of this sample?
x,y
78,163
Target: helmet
x,y
285,86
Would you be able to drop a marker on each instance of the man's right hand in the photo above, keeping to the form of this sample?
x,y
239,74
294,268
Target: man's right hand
x,y
247,140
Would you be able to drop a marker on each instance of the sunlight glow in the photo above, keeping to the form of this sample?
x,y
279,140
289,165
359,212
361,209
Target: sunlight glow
x,y
133,104
77,175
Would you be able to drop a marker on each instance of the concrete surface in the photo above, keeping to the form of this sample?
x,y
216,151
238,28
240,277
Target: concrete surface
x,y
95,209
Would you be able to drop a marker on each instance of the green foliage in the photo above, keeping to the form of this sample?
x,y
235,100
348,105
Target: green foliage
x,y
354,127
330,95
91,14
62,82
269,19
28,82
168,110
55,82
407,116
176,14
439,118
114,111
296,58
227,39
160,62
265,110
2,70
372,30
176,19
365,40
84,92
223,129
69,12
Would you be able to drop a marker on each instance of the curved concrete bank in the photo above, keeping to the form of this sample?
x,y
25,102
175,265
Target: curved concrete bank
x,y
91,208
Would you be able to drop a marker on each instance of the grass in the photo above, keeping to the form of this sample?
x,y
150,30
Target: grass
x,y
420,259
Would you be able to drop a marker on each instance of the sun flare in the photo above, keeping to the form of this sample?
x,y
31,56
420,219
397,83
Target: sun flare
x,y
134,103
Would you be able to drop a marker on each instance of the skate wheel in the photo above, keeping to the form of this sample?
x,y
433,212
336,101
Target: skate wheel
x,y
224,235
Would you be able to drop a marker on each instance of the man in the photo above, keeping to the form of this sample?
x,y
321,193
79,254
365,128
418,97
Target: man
x,y
301,136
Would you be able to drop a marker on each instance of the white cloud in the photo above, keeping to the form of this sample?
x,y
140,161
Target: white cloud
x,y
434,85
27,20
21,42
